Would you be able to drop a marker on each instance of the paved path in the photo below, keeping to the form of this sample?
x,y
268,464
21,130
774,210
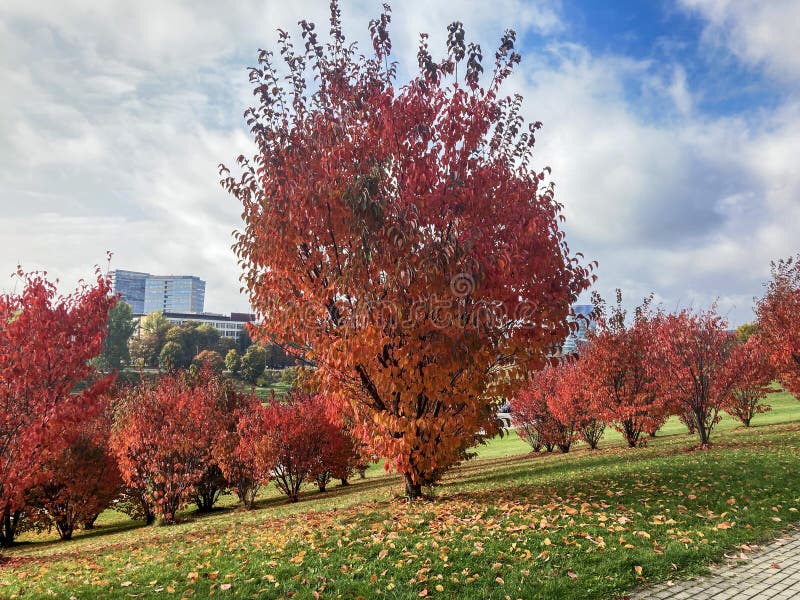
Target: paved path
x,y
772,573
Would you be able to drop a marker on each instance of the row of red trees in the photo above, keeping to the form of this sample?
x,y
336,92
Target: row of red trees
x,y
635,373
72,443
188,436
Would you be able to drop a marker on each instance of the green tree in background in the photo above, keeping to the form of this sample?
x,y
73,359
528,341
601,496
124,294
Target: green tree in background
x,y
171,356
225,345
120,328
207,337
233,362
244,340
146,347
744,331
253,363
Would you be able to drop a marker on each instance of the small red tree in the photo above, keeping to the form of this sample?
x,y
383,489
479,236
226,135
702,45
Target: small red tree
x,y
690,363
533,418
752,372
46,344
163,435
616,370
338,458
571,402
245,455
298,439
226,407
80,475
399,238
778,322
349,454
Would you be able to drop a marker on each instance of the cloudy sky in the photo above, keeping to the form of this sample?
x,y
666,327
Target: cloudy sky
x,y
672,127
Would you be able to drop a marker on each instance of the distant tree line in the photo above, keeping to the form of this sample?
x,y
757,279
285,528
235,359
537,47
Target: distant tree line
x,y
161,344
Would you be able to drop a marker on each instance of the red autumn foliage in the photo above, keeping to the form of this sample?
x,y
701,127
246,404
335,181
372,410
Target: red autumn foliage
x,y
617,371
690,362
244,455
299,443
46,343
399,235
338,458
353,454
533,418
80,477
572,404
752,373
164,437
779,322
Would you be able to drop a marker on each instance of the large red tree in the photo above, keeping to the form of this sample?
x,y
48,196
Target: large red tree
x,y
46,343
779,322
399,237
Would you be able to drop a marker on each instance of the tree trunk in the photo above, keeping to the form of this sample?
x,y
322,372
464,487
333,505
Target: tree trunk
x,y
413,490
65,530
703,433
9,527
89,522
344,481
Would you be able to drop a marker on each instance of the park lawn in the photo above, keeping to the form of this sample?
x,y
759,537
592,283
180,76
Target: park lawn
x,y
280,388
507,524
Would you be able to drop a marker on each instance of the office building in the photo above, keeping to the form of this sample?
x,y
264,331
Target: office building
x,y
130,285
583,324
228,326
174,293
147,293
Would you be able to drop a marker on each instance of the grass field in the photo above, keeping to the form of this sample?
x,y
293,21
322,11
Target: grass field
x,y
507,524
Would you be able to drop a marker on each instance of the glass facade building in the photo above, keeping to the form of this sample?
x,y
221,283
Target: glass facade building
x,y
130,285
168,293
147,293
584,323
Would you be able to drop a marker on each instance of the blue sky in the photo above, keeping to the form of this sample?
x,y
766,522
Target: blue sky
x,y
672,127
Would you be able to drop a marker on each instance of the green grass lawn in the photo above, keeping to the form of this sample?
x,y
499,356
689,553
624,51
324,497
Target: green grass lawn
x,y
507,524
280,388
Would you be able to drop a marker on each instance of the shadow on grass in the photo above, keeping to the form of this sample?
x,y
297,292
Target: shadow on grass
x,y
99,531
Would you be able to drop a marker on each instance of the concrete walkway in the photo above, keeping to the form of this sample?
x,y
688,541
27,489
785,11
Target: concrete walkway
x,y
771,573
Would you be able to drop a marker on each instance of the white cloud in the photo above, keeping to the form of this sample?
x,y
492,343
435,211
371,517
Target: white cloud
x,y
759,32
692,206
